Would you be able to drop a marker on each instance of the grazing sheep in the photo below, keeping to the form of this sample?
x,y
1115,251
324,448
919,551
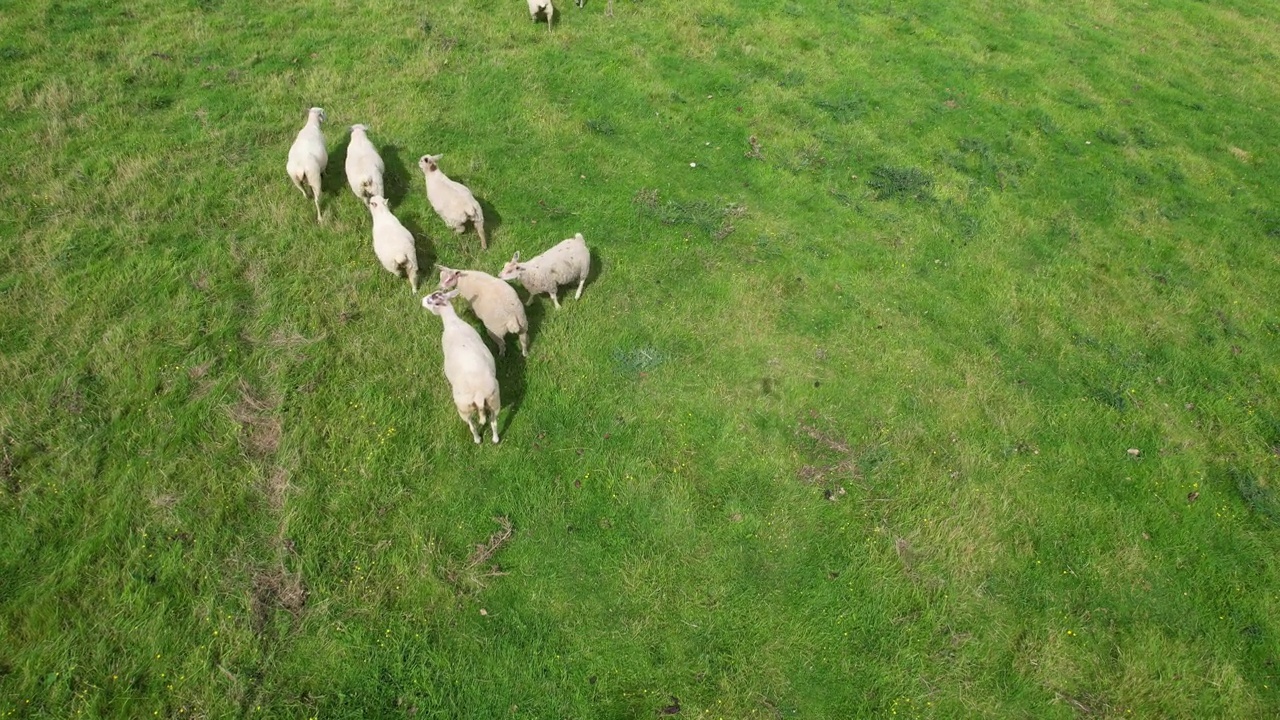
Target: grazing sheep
x,y
468,365
567,262
392,242
364,165
537,6
308,157
452,201
493,301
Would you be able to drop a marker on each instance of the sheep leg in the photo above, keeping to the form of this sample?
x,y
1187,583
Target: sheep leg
x,y
609,12
484,241
578,294
298,184
529,302
555,299
551,10
499,341
524,343
466,415
315,195
493,403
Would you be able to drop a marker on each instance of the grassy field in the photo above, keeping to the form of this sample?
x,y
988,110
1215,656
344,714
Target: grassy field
x,y
928,368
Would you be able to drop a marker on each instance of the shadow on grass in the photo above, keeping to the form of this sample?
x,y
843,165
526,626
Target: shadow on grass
x,y
492,219
396,176
424,249
511,382
334,179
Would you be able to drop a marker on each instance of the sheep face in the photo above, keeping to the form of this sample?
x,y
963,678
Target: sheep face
x,y
428,163
376,203
318,113
511,270
438,300
448,277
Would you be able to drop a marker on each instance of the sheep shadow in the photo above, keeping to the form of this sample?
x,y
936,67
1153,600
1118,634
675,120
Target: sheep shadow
x,y
334,177
597,268
423,248
492,219
396,176
511,380
535,314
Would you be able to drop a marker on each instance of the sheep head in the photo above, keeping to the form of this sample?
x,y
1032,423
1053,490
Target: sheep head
x,y
438,300
428,163
448,277
512,270
317,113
359,127
377,203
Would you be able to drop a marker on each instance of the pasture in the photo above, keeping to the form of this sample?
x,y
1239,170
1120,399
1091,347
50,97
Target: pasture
x,y
927,367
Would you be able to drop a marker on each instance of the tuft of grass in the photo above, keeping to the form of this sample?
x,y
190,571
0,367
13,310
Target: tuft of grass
x,y
901,183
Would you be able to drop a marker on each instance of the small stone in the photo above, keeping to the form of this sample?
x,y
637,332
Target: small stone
x,y
694,165
484,612
1134,452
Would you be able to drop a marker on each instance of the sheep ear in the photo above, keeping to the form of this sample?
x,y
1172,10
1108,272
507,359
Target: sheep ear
x,y
451,295
578,237
516,258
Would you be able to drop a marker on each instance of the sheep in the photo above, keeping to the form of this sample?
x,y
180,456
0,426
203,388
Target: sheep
x,y
608,12
567,262
392,242
364,165
452,201
308,157
468,365
493,301
537,6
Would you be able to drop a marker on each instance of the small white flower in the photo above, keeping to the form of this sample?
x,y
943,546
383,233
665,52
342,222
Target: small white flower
x,y
694,165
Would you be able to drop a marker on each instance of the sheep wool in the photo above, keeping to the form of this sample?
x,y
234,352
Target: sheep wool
x,y
392,242
568,262
468,365
452,201
364,165
538,6
493,301
308,157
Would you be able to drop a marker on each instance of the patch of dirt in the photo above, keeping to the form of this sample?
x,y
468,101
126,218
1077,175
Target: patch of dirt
x,y
275,488
478,569
260,426
278,588
828,475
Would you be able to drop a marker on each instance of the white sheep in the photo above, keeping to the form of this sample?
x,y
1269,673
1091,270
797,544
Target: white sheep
x,y
493,301
567,262
452,201
537,6
468,365
364,165
392,242
308,157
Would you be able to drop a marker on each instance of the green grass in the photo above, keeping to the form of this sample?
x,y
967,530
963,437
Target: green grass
x,y
840,428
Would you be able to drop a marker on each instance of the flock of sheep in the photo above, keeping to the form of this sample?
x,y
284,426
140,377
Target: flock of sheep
x,y
468,363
